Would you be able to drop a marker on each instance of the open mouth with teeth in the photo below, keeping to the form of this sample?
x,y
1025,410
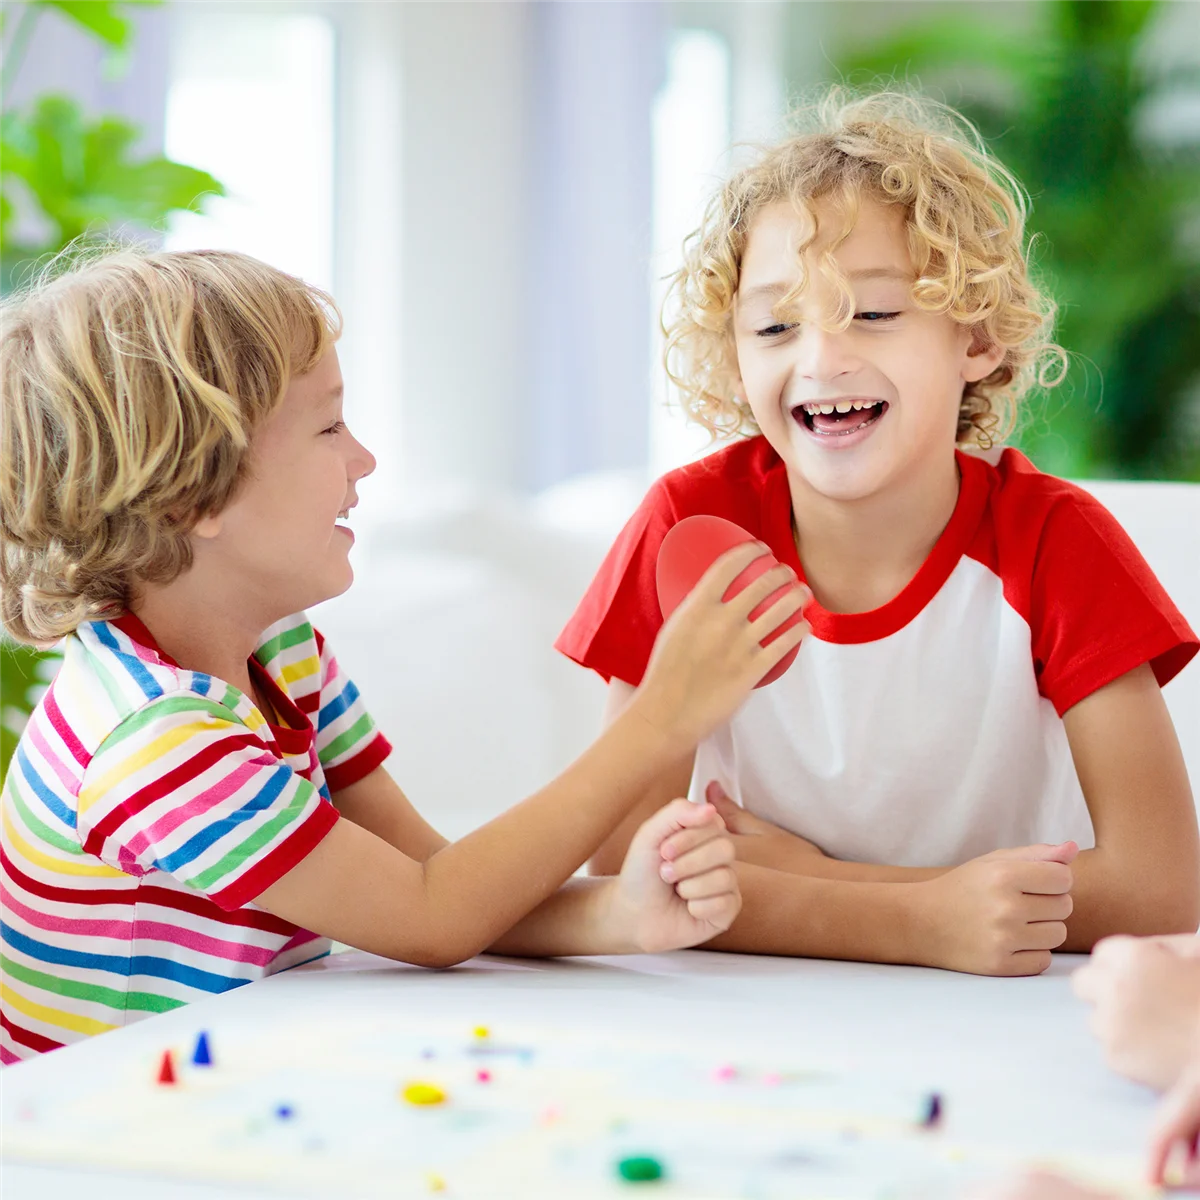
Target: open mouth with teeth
x,y
839,418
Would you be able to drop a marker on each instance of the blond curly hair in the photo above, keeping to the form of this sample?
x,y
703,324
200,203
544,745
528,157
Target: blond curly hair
x,y
965,222
131,384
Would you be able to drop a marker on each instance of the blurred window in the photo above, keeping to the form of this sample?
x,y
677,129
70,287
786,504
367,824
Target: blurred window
x,y
691,131
250,98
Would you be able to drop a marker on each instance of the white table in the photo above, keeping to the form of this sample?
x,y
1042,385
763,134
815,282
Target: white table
x,y
1012,1057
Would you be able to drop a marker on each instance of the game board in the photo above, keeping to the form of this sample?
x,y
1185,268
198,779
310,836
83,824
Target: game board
x,y
316,1109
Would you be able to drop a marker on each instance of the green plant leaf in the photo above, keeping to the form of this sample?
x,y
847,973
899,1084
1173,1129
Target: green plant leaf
x,y
84,176
99,17
22,676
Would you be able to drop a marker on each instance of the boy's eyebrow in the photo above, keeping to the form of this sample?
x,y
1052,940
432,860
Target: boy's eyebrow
x,y
779,289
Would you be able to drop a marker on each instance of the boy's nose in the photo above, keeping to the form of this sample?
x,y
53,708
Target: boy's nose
x,y
822,354
363,463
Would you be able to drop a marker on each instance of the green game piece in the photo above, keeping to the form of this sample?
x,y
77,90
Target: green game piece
x,y
641,1169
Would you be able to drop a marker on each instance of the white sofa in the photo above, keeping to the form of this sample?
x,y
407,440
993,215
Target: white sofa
x,y
449,629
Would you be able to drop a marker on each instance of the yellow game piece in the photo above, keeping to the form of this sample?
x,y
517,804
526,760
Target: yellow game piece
x,y
436,1182
423,1093
482,1032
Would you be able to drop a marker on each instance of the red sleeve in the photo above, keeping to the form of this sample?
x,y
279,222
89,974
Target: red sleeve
x,y
1097,610
613,629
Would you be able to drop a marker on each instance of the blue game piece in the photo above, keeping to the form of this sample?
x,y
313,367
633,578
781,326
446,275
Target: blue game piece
x,y
202,1055
285,1112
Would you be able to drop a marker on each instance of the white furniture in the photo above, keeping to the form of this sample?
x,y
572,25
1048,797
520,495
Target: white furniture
x,y
449,628
1012,1057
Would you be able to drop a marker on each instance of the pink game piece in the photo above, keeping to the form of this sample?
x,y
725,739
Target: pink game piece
x,y
690,548
725,1073
483,1077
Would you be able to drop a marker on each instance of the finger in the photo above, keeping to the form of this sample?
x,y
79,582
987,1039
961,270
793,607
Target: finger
x,y
1027,962
714,583
686,840
720,799
772,580
671,818
1043,878
765,657
717,852
717,882
1177,1123
1043,935
1057,907
1064,852
765,624
719,911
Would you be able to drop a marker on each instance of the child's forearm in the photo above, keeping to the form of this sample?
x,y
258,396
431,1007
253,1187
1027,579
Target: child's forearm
x,y
779,855
1111,896
801,915
472,892
576,919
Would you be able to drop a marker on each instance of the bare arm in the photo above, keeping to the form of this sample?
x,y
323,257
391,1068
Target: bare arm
x,y
358,887
1143,877
668,784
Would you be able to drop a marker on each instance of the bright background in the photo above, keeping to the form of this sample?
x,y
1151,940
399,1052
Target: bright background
x,y
494,192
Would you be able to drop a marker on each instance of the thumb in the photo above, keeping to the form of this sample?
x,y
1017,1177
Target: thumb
x,y
1064,852
671,818
720,799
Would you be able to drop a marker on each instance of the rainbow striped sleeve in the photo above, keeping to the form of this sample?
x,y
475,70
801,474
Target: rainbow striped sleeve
x,y
182,788
349,745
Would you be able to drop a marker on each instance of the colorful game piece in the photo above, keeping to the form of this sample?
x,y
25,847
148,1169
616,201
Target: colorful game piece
x,y
640,1169
772,1079
482,1032
166,1068
725,1073
202,1055
550,1114
423,1094
690,548
483,1077
285,1112
435,1182
933,1111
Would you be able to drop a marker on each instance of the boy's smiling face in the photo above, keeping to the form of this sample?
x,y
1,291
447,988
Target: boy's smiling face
x,y
281,532
895,376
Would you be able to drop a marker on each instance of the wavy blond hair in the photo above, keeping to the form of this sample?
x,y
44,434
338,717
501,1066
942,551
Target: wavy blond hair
x,y
965,222
131,384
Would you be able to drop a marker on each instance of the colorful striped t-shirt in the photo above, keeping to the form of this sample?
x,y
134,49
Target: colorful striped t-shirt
x,y
146,807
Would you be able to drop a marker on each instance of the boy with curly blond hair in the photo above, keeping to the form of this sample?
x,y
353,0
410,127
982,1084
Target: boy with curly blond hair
x,y
970,764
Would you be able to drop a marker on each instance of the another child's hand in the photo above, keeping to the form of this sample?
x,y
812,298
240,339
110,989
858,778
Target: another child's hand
x,y
1146,1013
1039,1185
677,886
1000,914
757,840
708,655
1175,1132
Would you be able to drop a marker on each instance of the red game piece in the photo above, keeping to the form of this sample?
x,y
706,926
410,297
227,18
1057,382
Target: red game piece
x,y
166,1071
691,547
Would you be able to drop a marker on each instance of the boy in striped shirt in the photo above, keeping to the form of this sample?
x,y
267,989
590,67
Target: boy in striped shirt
x,y
200,799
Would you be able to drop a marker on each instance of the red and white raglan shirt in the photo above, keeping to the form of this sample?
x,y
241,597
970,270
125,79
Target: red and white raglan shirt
x,y
928,731
146,807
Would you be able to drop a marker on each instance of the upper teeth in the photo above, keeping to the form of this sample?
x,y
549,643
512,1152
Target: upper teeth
x,y
842,406
343,514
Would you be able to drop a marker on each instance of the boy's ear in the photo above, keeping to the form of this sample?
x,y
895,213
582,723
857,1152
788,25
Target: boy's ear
x,y
207,527
982,358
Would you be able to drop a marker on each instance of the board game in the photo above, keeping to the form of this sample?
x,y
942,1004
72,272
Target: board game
x,y
387,1109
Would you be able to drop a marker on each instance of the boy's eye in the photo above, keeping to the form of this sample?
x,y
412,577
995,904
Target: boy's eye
x,y
875,317
336,427
773,330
